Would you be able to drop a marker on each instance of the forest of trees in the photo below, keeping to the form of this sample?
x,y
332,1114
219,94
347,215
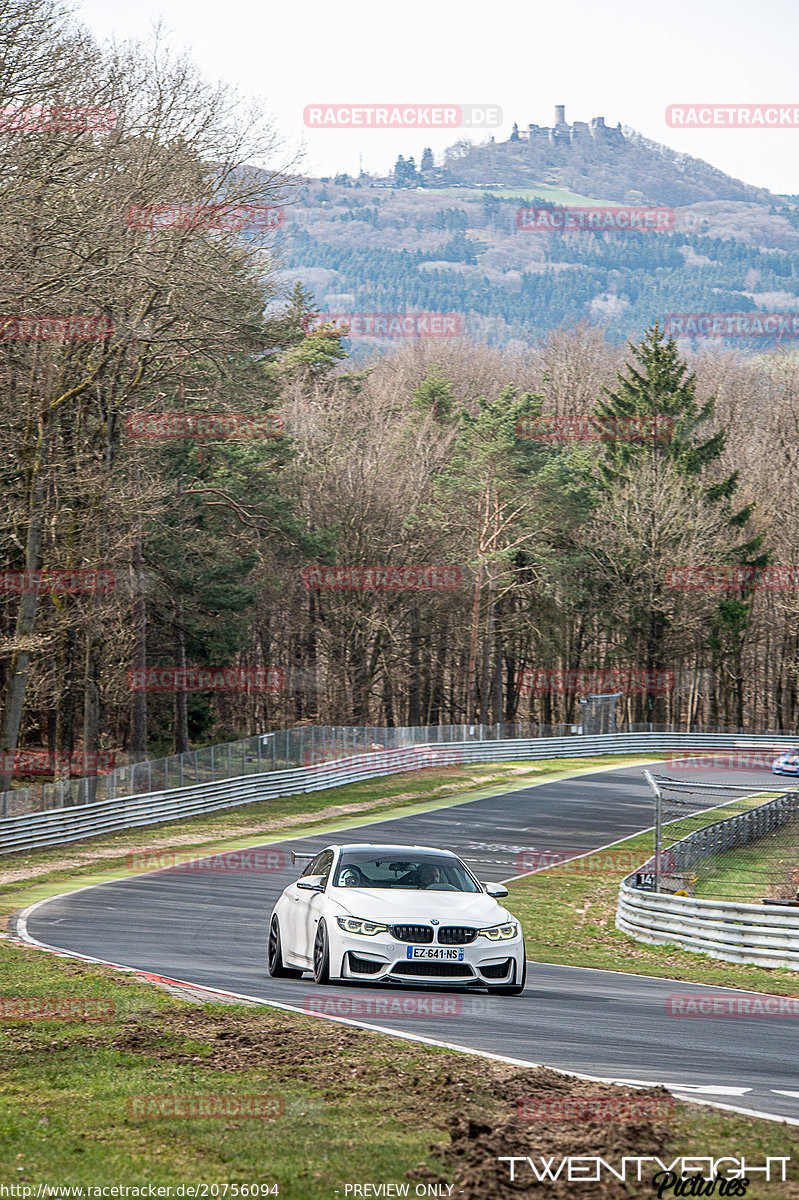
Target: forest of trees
x,y
561,550
634,277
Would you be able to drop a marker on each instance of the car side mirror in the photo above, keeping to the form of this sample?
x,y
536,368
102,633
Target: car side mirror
x,y
497,890
312,883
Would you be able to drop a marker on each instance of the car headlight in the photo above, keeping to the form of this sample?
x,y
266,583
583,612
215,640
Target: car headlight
x,y
499,933
359,925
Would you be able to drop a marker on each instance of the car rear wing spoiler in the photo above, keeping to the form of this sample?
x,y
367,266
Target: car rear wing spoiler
x,y
295,857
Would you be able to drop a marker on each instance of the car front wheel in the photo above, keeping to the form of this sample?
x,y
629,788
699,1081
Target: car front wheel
x,y
274,955
321,955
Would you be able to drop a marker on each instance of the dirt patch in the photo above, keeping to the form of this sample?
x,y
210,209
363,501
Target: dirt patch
x,y
475,1103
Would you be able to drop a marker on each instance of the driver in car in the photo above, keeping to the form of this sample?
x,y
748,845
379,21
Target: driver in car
x,y
427,875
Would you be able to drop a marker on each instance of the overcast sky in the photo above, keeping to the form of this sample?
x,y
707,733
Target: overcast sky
x,y
626,62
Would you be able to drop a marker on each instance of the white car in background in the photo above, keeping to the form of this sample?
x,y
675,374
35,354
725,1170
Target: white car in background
x,y
787,763
405,914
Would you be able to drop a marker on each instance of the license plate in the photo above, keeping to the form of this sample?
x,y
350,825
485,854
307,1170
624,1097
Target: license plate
x,y
439,952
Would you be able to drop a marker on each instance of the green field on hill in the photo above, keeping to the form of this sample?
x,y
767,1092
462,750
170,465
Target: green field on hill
x,y
539,191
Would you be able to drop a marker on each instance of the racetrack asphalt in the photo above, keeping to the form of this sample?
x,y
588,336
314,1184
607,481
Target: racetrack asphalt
x,y
210,928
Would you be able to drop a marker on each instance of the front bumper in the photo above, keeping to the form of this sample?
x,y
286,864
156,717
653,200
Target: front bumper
x,y
382,958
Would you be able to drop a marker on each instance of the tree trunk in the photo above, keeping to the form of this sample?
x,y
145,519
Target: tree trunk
x,y
181,740
138,725
21,657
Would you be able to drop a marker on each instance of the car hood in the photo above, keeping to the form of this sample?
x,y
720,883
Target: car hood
x,y
400,907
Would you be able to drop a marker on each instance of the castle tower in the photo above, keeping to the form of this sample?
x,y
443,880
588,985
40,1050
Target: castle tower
x,y
560,114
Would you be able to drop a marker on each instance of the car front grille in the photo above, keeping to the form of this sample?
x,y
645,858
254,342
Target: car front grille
x,y
441,970
419,934
456,935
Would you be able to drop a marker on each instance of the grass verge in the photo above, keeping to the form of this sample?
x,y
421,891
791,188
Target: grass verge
x,y
353,1106
767,867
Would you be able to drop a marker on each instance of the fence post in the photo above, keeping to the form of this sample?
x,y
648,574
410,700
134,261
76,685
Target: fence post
x,y
658,825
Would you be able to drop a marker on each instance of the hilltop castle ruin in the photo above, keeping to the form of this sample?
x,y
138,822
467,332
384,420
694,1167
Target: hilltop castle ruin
x,y
562,134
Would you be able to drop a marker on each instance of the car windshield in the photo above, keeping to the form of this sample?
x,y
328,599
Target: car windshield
x,y
429,873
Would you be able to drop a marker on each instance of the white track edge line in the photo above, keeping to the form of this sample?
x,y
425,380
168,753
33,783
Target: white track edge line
x,y
419,1039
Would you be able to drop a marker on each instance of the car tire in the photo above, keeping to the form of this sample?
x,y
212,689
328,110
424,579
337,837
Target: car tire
x,y
515,988
321,955
274,955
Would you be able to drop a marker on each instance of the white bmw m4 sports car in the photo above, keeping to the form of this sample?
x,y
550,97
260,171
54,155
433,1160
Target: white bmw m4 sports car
x,y
405,914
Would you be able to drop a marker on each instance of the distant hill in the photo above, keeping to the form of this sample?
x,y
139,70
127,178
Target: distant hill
x,y
446,239
594,159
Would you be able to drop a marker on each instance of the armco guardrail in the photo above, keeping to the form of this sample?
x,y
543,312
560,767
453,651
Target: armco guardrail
x,y
128,812
745,933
